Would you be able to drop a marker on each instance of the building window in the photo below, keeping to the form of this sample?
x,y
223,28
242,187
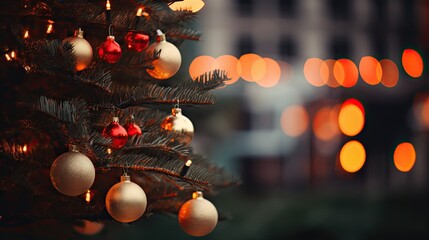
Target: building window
x,y
287,8
244,7
340,9
287,47
340,47
245,45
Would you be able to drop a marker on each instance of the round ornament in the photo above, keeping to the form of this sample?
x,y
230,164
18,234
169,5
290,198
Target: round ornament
x,y
82,50
110,51
169,60
136,41
118,133
88,227
132,128
179,124
198,216
72,173
126,201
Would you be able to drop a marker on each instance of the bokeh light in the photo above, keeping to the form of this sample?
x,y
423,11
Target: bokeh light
x,y
294,120
425,113
230,65
351,118
312,68
201,65
325,123
346,72
390,74
272,73
370,70
352,156
247,64
327,73
404,157
191,5
412,63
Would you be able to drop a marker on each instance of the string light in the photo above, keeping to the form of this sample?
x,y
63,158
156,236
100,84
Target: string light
x,y
108,16
139,12
13,54
26,34
108,5
24,148
50,27
188,163
88,196
109,151
8,58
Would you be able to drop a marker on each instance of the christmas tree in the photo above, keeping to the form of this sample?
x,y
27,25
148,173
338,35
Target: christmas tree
x,y
84,88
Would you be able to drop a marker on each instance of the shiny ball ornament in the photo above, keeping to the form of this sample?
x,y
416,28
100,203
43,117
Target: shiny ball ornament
x,y
179,124
72,173
136,41
117,133
82,50
110,51
132,128
169,60
198,216
126,201
89,228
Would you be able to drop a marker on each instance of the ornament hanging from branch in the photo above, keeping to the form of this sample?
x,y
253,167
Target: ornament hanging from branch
x,y
110,51
132,128
198,216
169,60
72,173
126,201
117,133
81,49
179,124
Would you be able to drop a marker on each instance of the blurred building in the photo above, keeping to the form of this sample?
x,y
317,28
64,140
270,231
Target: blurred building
x,y
291,31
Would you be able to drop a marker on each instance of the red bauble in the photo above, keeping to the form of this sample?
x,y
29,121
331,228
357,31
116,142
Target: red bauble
x,y
118,133
133,129
137,41
110,51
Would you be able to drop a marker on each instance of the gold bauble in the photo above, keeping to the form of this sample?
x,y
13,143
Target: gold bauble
x,y
179,124
169,60
126,201
82,50
72,173
198,216
89,227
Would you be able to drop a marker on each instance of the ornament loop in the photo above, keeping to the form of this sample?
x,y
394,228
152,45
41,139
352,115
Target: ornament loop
x,y
125,178
110,30
197,194
73,148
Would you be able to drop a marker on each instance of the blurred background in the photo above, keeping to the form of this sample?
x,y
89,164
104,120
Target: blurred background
x,y
325,119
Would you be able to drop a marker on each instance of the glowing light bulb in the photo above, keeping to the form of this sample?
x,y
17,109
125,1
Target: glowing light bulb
x,y
26,34
139,12
108,5
24,148
8,58
188,163
50,28
88,196
109,151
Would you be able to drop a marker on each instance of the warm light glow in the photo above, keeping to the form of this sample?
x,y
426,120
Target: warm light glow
x,y
412,63
26,34
24,148
327,73
352,156
139,12
272,73
108,5
230,65
8,58
190,5
351,118
246,61
294,120
370,70
50,28
201,65
88,196
404,157
13,54
390,74
312,68
325,123
188,163
346,72
109,151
